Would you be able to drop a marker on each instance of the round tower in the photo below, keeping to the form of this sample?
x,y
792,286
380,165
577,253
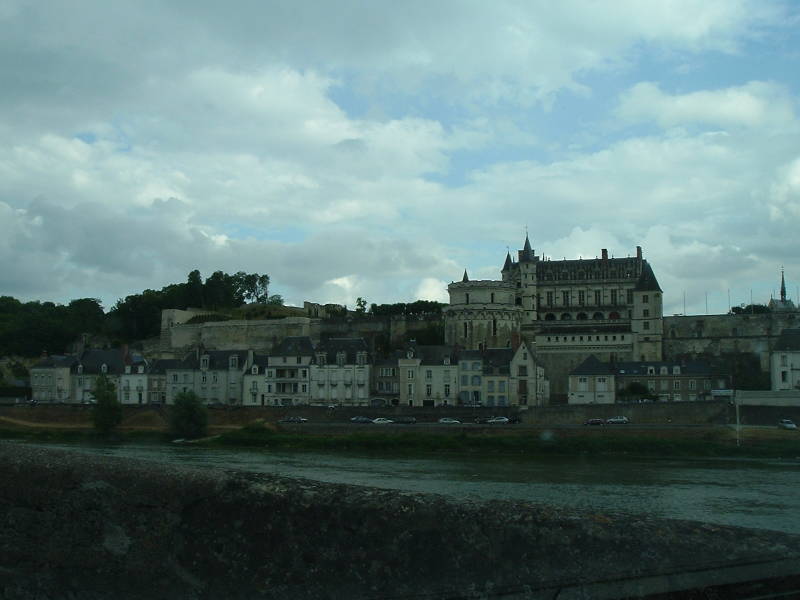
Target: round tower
x,y
481,314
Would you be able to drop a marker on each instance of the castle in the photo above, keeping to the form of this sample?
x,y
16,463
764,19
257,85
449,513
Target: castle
x,y
565,309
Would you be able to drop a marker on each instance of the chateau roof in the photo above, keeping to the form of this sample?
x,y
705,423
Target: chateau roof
x,y
647,280
508,263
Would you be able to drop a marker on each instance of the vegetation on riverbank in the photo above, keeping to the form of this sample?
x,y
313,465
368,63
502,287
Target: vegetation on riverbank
x,y
717,442
714,443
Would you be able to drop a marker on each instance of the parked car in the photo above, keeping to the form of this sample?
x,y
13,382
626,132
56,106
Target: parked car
x,y
361,420
405,420
617,421
595,422
786,424
293,420
382,421
449,421
498,420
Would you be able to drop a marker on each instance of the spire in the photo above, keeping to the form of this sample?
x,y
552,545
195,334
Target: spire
x,y
465,278
783,287
507,264
527,247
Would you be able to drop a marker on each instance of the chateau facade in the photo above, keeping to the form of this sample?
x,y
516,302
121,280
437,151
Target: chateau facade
x,y
564,309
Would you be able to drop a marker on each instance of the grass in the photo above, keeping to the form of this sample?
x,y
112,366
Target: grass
x,y
714,443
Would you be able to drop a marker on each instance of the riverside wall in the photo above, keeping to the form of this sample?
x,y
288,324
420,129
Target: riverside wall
x,y
83,526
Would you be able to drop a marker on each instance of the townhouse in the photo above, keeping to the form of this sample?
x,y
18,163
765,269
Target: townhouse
x,y
340,373
287,379
216,376
428,376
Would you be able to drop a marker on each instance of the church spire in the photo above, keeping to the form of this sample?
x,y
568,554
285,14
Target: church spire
x,y
527,247
465,278
783,287
507,264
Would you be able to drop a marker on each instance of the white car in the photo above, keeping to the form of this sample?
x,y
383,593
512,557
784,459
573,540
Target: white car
x,y
497,420
382,421
787,424
449,421
617,421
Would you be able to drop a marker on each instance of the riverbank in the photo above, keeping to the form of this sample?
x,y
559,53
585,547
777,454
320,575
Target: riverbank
x,y
678,442
84,526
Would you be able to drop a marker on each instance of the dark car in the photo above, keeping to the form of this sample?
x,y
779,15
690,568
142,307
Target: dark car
x,y
405,420
595,422
361,420
293,420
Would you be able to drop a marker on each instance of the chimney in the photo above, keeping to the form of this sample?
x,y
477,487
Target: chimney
x,y
638,253
604,254
250,358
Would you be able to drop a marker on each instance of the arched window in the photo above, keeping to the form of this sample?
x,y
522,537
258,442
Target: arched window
x,y
582,317
598,316
613,316
549,317
566,317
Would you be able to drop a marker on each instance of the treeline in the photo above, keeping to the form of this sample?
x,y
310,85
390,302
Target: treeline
x,y
26,329
410,309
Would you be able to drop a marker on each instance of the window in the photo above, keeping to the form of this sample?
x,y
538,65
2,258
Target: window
x,y
651,370
203,378
629,296
663,371
581,297
676,370
174,378
204,362
692,384
597,298
446,390
647,325
565,298
707,384
492,298
304,388
490,386
410,374
464,380
476,366
676,385
494,326
783,376
410,389
214,378
645,299
646,312
651,385
254,370
233,362
501,386
428,390
476,380
783,360
664,384
613,296
429,374
466,298
549,298
465,330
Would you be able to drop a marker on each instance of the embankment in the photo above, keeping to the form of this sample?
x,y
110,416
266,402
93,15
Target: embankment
x,y
79,526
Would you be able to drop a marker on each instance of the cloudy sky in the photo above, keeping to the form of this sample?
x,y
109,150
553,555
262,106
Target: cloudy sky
x,y
377,149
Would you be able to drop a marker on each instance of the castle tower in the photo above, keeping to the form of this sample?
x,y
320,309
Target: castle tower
x,y
481,314
782,305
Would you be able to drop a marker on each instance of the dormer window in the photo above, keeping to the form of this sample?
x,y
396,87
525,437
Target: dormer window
x,y
233,362
254,370
204,362
140,370
676,370
664,371
410,354
104,368
127,369
80,369
340,358
447,360
361,359
322,360
651,370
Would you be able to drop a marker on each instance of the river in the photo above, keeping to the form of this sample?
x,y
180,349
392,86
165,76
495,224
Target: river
x,y
761,494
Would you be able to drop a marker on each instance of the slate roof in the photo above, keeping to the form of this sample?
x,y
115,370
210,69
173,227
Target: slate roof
x,y
297,345
789,340
160,366
647,280
592,366
508,262
333,346
497,361
217,359
389,360
694,367
56,361
260,360
434,355
93,359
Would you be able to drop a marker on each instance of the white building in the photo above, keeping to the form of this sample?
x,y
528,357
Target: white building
x,y
287,379
254,383
50,378
784,361
428,376
340,373
214,375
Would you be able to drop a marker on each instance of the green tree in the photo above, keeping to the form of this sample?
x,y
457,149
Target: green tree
x,y
194,289
107,413
187,416
275,299
361,305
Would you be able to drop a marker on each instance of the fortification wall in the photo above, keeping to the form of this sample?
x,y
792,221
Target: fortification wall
x,y
91,527
722,334
234,335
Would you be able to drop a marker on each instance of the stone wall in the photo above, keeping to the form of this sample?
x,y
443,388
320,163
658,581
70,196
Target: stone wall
x,y
676,413
83,526
238,335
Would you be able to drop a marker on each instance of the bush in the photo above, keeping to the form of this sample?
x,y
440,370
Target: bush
x,y
107,413
188,417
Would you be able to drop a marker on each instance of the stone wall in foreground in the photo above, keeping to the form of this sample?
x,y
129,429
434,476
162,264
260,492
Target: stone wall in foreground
x,y
82,526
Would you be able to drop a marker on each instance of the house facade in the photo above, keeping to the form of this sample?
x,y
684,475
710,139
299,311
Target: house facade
x,y
340,373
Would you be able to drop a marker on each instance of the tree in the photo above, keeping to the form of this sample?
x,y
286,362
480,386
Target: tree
x,y
361,305
194,289
107,412
751,309
275,299
187,416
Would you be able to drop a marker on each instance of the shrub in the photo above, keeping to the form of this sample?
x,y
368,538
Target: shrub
x,y
188,417
107,412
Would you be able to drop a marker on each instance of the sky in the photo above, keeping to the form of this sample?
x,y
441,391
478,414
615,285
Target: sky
x,y
377,149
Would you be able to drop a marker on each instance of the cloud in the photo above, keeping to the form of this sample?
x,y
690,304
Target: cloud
x,y
755,104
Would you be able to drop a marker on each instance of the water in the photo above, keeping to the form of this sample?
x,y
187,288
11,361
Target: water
x,y
760,494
